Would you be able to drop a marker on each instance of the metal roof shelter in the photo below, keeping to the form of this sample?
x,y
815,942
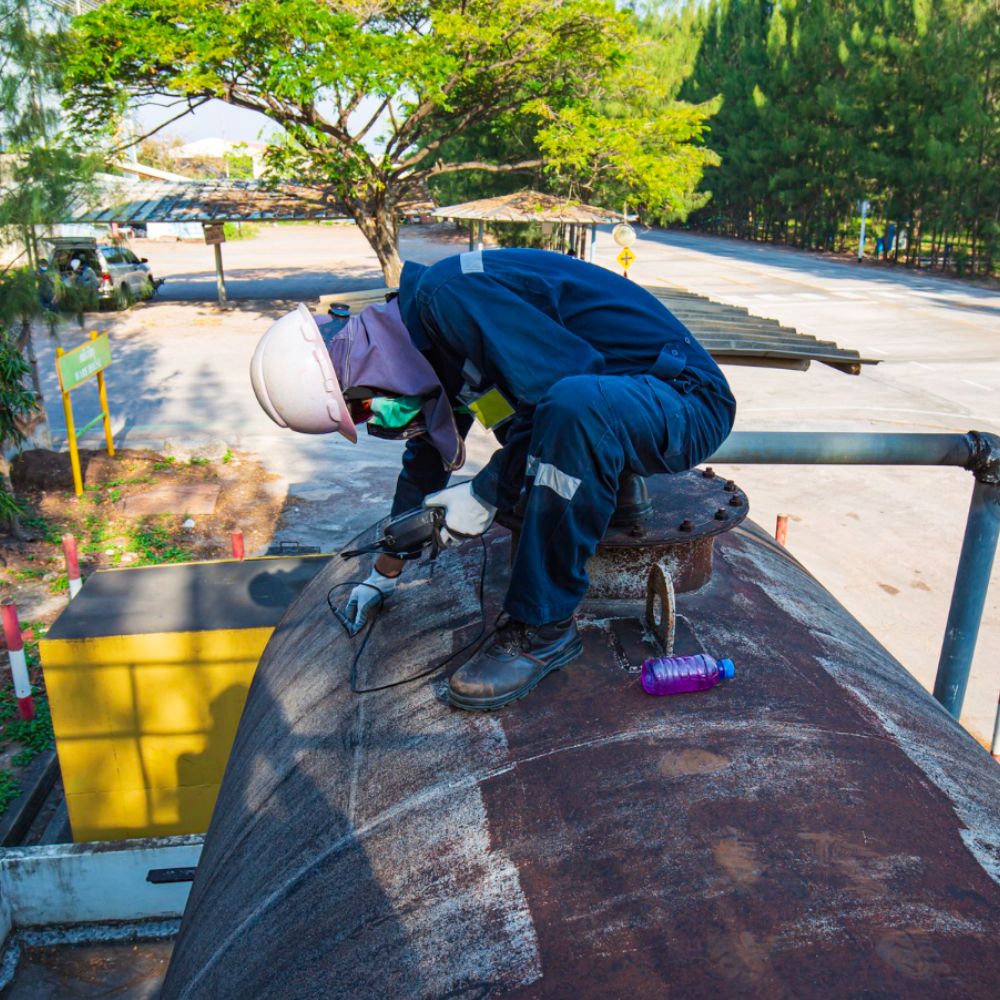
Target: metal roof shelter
x,y
730,334
131,201
135,202
530,206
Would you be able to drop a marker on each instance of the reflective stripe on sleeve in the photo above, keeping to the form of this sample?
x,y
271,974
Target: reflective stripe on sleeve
x,y
472,262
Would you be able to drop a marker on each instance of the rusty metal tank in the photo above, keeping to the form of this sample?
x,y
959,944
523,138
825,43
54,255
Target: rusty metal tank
x,y
816,827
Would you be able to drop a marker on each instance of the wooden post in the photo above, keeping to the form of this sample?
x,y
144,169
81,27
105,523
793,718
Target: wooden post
x,y
220,277
479,244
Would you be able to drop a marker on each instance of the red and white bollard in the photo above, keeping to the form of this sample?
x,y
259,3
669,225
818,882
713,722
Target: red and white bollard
x,y
237,537
18,664
72,565
781,529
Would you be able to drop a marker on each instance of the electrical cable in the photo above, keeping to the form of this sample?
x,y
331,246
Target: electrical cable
x,y
480,636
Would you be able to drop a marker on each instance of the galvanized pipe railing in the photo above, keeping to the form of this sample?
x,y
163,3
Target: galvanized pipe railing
x,y
977,452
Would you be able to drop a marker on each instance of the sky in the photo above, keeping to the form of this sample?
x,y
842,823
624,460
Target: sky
x,y
213,120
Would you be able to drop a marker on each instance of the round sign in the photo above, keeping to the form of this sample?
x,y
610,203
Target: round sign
x,y
623,234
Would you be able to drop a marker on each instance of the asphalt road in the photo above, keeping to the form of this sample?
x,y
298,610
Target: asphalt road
x,y
885,541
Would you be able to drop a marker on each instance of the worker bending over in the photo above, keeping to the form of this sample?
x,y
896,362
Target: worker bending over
x,y
582,375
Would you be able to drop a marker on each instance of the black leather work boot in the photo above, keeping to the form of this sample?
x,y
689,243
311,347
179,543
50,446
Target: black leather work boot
x,y
517,659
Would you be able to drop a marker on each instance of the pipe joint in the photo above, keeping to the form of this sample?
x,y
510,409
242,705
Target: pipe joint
x,y
984,457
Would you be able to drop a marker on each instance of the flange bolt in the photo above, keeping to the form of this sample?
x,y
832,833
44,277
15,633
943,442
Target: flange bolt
x,y
687,525
709,473
721,514
735,501
730,486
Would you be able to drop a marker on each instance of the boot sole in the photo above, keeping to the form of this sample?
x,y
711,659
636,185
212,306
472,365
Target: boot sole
x,y
489,704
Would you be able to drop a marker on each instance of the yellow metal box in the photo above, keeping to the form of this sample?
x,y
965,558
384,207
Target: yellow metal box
x,y
147,671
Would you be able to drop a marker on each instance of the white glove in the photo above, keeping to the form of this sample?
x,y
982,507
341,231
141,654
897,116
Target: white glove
x,y
465,515
368,597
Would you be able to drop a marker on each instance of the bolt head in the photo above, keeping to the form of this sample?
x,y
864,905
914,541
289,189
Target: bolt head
x,y
730,486
721,514
708,473
687,525
735,501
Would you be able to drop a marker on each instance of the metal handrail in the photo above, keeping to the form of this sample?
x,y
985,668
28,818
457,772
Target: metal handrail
x,y
976,451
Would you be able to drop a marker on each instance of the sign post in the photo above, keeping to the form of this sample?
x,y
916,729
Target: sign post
x,y
215,236
624,235
625,258
74,368
863,206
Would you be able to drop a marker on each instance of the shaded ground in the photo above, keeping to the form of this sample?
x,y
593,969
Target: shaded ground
x,y
122,971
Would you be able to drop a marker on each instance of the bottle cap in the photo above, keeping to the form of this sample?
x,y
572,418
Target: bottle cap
x,y
727,669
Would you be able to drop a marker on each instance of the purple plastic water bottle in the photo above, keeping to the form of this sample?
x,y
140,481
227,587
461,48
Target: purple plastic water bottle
x,y
680,674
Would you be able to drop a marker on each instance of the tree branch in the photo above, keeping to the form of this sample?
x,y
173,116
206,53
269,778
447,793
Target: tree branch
x,y
358,136
192,105
491,168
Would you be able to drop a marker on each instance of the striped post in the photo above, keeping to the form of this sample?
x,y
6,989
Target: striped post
x,y
781,529
237,537
18,664
72,565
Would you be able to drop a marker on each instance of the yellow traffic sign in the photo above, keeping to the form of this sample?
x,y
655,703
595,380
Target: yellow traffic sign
x,y
626,257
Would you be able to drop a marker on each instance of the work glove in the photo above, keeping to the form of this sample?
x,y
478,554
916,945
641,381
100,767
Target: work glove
x,y
465,515
366,598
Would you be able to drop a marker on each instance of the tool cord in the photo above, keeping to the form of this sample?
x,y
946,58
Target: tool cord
x,y
480,636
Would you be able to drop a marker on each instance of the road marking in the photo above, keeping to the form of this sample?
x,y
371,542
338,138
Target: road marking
x,y
919,365
875,350
977,385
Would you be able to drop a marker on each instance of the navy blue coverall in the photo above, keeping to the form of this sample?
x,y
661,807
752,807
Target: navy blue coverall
x,y
603,379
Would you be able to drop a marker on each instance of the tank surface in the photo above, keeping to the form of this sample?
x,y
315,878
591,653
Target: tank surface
x,y
816,827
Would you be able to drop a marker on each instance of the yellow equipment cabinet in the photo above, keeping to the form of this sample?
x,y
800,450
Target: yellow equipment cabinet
x,y
147,671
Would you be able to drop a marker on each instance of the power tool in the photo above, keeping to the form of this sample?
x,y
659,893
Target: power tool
x,y
407,535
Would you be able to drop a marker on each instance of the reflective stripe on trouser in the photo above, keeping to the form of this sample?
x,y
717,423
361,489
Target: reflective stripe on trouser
x,y
586,431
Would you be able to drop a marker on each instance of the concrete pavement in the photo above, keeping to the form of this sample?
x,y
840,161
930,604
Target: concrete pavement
x,y
885,541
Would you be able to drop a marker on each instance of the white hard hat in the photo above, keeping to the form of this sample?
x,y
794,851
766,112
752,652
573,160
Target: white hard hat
x,y
294,379
74,263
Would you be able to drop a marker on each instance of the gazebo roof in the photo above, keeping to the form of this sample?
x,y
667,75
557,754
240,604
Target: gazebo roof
x,y
528,206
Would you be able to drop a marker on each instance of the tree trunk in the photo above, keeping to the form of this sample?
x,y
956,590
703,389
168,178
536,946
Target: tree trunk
x,y
378,224
9,521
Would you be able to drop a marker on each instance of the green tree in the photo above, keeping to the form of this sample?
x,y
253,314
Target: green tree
x,y
827,102
430,70
630,139
41,171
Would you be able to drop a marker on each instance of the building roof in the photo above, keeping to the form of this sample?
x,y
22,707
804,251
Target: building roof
x,y
131,201
528,206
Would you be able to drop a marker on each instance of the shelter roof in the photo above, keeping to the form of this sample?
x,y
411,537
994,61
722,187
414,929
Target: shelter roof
x,y
730,334
131,201
528,206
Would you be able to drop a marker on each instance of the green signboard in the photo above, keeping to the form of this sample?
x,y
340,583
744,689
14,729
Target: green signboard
x,y
83,362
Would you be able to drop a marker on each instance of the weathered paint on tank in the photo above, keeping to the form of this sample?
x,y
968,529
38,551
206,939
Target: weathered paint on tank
x,y
817,827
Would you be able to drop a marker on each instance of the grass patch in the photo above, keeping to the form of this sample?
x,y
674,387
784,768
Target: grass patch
x,y
28,574
45,529
35,736
9,788
198,460
227,458
153,544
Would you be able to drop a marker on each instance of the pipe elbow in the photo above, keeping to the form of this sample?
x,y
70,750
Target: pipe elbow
x,y
984,457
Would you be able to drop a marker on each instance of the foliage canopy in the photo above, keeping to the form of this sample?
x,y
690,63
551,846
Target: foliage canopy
x,y
377,98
